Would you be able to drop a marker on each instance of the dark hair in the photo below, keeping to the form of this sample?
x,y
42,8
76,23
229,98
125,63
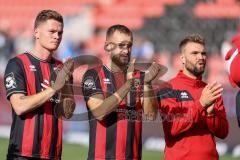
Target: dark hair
x,y
197,38
45,15
119,28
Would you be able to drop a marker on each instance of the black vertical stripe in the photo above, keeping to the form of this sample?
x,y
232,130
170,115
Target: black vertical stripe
x,y
111,135
131,124
54,139
238,107
92,137
140,145
110,121
54,130
39,111
142,75
54,136
16,134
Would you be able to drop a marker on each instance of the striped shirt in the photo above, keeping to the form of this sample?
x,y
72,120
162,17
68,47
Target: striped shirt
x,y
38,133
119,134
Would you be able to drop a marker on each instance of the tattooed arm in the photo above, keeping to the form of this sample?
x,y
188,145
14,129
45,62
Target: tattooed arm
x,y
23,104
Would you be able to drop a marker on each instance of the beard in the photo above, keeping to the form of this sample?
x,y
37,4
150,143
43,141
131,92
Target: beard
x,y
121,61
194,69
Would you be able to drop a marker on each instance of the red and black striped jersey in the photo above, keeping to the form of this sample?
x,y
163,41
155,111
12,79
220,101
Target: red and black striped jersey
x,y
38,133
119,134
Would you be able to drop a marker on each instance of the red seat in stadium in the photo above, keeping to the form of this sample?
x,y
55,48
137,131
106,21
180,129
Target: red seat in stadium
x,y
120,9
172,2
153,2
226,2
153,11
104,21
204,10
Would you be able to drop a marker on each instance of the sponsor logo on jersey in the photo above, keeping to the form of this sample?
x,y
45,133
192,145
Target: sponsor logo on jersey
x,y
106,81
45,84
32,68
184,95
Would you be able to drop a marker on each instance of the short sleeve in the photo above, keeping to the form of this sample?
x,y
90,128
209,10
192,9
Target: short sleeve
x,y
14,79
91,84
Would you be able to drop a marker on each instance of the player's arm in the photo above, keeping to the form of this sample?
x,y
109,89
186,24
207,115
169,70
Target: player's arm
x,y
149,100
22,103
96,102
100,106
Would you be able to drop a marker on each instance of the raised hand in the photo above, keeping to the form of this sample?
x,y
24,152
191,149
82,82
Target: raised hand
x,y
63,75
210,93
152,72
130,70
68,107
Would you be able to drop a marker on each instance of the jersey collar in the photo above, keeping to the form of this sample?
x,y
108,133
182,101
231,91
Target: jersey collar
x,y
190,81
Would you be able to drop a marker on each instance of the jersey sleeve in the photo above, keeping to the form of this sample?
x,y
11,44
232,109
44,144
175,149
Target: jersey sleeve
x,y
91,84
218,123
14,79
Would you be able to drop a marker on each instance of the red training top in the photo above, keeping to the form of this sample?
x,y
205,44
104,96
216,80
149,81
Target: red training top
x,y
189,132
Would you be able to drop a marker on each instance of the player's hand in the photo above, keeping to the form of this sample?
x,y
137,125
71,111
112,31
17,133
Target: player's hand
x,y
152,72
130,70
63,75
210,93
68,107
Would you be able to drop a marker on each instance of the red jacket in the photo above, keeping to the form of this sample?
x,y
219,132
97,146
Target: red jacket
x,y
189,132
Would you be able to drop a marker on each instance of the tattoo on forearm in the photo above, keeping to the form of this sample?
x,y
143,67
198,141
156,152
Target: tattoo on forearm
x,y
23,97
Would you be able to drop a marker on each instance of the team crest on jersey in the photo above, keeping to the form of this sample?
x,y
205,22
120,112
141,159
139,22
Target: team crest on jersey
x,y
10,81
57,68
136,82
89,83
